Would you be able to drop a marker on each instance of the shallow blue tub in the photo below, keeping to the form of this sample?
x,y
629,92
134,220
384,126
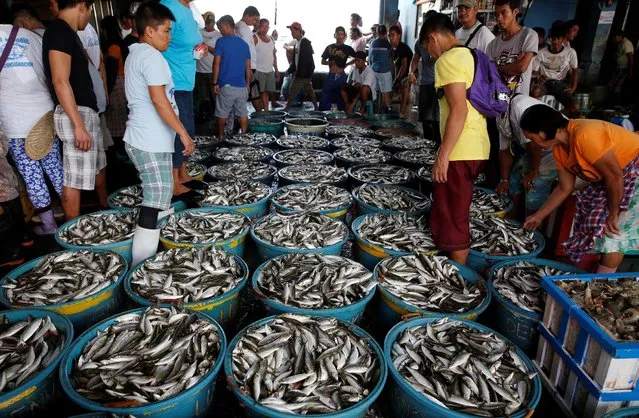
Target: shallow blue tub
x,y
363,208
407,402
391,309
82,313
517,324
255,409
192,402
36,396
252,210
123,247
223,308
351,313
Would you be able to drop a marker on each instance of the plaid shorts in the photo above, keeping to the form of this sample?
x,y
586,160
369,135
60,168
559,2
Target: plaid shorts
x,y
156,172
80,167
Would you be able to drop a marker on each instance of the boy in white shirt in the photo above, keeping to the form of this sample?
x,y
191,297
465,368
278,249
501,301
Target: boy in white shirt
x,y
153,123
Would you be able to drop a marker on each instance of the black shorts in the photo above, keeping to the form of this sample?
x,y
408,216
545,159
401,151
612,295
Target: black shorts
x,y
428,103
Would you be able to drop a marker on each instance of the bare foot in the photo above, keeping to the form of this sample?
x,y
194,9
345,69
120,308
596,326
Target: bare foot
x,y
179,189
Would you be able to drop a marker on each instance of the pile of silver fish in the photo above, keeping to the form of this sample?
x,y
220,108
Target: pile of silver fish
x,y
611,303
234,193
205,141
497,236
388,133
185,275
424,173
257,138
128,197
389,197
242,171
146,357
101,228
303,142
26,347
303,156
408,142
430,283
315,281
200,226
300,230
305,365
241,154
199,156
348,130
520,284
467,370
487,202
363,155
356,141
421,156
63,277
195,169
314,173
398,232
381,174
312,197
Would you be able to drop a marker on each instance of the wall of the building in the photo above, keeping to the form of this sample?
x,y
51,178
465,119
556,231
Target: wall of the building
x,y
544,12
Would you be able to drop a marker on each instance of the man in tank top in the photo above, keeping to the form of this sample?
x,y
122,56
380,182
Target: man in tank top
x,y
266,72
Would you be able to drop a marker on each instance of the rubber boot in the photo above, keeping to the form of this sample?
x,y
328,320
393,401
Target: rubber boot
x,y
145,244
48,226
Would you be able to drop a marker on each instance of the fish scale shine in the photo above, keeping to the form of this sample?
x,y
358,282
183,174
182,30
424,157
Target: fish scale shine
x,y
300,230
243,153
408,143
398,232
303,141
312,197
362,154
254,139
251,170
201,226
496,236
303,156
101,228
392,198
314,173
381,174
234,193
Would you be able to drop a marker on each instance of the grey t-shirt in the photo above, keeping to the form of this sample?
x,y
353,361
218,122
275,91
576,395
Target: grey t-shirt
x,y
507,52
428,66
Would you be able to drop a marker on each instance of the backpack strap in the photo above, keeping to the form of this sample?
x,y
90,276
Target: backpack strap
x,y
472,35
8,46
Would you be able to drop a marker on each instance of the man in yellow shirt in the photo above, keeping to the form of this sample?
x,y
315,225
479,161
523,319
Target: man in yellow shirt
x,y
465,145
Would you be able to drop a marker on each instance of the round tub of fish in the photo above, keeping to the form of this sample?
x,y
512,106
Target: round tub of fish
x,y
82,285
302,156
425,177
365,369
107,230
357,155
394,123
380,174
388,133
355,141
306,126
416,158
382,198
518,298
306,114
488,202
203,227
270,126
410,285
167,279
382,235
312,173
405,143
240,154
206,142
425,388
303,142
493,240
251,139
132,196
314,284
340,130
86,373
249,198
278,234
196,170
31,391
271,114
200,156
628,412
324,199
261,172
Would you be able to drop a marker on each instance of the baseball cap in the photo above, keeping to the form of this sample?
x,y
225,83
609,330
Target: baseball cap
x,y
467,3
360,55
295,25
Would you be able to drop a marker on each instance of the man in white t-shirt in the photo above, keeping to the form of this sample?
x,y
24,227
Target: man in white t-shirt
x,y
473,33
243,29
557,72
153,122
363,87
204,70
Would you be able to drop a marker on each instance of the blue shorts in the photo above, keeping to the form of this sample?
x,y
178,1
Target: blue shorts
x,y
542,186
231,99
332,91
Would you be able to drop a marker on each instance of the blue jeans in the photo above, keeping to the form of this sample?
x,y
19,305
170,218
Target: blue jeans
x,y
542,186
184,101
332,91
286,88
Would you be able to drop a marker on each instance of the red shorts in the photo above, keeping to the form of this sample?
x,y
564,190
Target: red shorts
x,y
450,213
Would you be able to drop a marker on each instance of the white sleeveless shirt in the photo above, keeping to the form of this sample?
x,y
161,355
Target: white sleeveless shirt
x,y
264,55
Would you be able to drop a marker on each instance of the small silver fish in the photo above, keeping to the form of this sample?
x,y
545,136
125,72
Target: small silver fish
x,y
381,174
496,236
363,155
398,232
303,142
300,230
242,171
253,139
389,197
101,228
243,153
303,156
201,226
421,156
334,130
408,143
425,174
199,156
128,197
195,169
312,197
356,141
234,193
205,142
313,173
485,203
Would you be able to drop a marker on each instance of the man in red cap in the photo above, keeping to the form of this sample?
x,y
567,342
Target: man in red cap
x,y
302,67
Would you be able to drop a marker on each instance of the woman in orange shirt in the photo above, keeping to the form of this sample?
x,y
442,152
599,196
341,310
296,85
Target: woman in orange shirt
x,y
114,52
607,157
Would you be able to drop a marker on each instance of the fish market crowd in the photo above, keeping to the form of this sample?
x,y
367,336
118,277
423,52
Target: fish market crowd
x,y
309,262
